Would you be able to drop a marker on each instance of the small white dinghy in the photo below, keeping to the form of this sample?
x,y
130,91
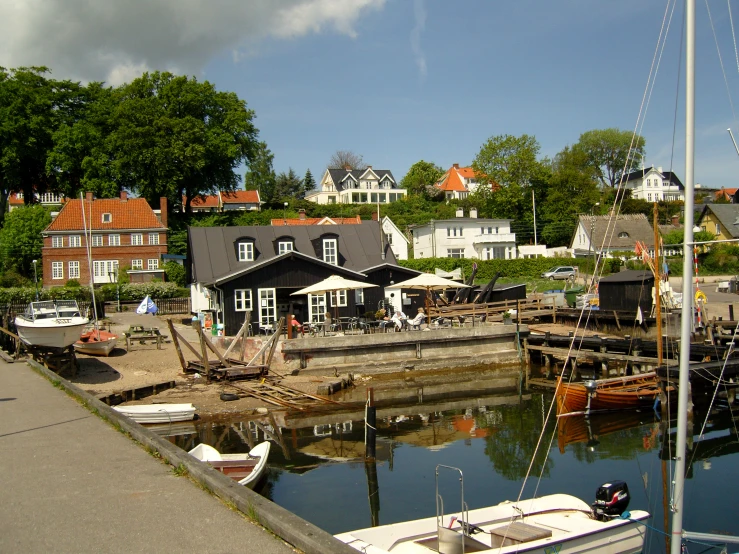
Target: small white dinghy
x,y
158,413
246,469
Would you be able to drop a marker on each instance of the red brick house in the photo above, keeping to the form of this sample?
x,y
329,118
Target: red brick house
x,y
226,201
125,232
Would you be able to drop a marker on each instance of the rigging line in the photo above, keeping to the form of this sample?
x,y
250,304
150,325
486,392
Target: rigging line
x,y
733,35
720,59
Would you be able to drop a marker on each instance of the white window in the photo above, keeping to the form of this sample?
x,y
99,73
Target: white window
x,y
454,232
455,253
267,306
137,239
329,251
74,270
649,196
152,263
75,241
317,310
137,264
57,270
359,296
107,218
114,240
718,229
103,270
338,298
649,182
246,251
242,299
97,240
499,252
153,238
57,241
285,246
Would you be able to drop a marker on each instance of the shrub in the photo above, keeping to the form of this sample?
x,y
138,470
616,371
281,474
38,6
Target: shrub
x,y
72,283
175,273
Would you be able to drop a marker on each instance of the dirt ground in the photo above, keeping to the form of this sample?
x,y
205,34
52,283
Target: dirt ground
x,y
144,365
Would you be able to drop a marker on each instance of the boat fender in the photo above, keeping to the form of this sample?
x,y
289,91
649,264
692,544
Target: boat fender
x,y
625,515
229,397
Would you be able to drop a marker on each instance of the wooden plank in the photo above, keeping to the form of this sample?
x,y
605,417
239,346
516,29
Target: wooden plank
x,y
175,336
213,349
567,353
235,339
203,350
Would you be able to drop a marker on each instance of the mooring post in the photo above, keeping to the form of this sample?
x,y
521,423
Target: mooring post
x,y
370,426
731,312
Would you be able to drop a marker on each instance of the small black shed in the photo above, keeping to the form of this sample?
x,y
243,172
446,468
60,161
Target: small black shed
x,y
626,291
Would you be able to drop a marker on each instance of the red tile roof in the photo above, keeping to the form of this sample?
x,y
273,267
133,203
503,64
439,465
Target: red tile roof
x,y
240,197
725,193
316,220
134,213
452,179
13,200
203,202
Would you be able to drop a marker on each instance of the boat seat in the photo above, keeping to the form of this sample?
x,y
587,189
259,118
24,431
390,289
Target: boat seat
x,y
516,533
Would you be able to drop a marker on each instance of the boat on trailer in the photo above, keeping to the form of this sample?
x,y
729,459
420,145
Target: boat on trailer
x,y
245,468
52,324
157,413
554,523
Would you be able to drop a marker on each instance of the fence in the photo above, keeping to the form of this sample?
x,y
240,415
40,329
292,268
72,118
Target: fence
x,y
165,306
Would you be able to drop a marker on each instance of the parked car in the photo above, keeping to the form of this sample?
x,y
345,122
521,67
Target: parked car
x,y
567,272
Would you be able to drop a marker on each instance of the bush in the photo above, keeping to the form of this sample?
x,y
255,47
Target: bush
x,y
486,269
175,273
72,283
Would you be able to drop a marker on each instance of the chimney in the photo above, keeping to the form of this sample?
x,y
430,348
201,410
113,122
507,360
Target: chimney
x,y
676,220
301,213
348,167
163,210
473,213
456,166
124,196
460,212
369,167
374,216
88,196
659,169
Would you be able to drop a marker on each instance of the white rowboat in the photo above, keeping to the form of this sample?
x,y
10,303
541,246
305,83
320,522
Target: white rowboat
x,y
96,343
246,469
158,413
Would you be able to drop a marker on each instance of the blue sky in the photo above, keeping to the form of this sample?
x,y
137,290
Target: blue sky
x,y
402,80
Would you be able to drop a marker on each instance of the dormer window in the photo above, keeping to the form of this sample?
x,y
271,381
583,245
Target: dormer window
x,y
330,252
246,251
623,235
107,218
285,246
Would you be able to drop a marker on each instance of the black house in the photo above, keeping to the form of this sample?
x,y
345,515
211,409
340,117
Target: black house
x,y
627,291
239,269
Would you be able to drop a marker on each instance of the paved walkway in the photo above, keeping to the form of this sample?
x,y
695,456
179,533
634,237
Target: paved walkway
x,y
71,483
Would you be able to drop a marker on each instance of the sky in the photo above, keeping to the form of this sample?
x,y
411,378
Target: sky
x,y
398,81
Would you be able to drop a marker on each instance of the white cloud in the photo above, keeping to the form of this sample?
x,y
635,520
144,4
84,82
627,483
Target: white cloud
x,y
419,12
113,40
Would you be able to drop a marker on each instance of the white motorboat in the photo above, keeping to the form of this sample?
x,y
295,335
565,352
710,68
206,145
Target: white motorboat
x,y
246,469
54,324
554,523
158,413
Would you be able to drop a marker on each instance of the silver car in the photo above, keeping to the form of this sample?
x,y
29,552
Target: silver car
x,y
567,272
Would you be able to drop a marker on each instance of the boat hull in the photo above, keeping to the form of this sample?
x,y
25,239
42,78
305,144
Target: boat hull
x,y
247,469
622,394
96,343
51,333
158,413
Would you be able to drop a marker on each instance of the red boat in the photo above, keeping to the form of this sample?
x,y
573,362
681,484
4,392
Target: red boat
x,y
96,342
618,393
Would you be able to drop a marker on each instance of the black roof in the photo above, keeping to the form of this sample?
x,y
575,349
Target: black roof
x,y
640,173
628,276
338,176
213,250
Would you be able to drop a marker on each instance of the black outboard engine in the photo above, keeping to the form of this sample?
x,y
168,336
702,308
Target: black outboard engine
x,y
611,500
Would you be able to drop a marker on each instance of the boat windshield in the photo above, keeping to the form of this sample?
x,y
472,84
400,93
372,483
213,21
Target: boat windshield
x,y
51,310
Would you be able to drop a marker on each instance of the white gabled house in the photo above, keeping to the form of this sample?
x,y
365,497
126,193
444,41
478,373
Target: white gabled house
x,y
357,186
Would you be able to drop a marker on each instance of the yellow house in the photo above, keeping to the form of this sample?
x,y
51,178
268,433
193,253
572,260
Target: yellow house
x,y
720,219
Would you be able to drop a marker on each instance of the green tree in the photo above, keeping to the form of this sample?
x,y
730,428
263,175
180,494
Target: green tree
x,y
309,183
421,176
508,160
175,273
177,138
21,240
288,185
260,175
610,152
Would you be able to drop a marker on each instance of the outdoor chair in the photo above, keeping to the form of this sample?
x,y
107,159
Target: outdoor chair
x,y
415,323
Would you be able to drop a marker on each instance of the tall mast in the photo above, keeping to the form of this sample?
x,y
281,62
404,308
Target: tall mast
x,y
687,308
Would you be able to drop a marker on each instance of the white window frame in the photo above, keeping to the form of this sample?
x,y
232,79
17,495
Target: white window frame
x,y
267,306
57,270
455,253
153,238
114,240
137,239
246,251
97,240
101,270
152,263
285,246
137,264
73,270
242,300
331,251
57,241
107,218
75,241
359,297
338,298
316,307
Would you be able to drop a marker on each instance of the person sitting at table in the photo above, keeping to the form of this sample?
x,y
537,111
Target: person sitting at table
x,y
417,321
399,318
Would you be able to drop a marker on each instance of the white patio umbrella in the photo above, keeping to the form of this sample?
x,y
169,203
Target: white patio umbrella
x,y
332,284
428,282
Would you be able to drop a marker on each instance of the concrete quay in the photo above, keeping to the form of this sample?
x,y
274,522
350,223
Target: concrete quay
x,y
74,482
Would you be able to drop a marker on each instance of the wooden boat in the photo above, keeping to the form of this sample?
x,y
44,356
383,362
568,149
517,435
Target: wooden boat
x,y
246,469
589,429
617,393
96,343
554,523
53,324
158,413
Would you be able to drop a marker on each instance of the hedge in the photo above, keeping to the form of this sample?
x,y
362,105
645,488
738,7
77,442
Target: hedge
x,y
129,291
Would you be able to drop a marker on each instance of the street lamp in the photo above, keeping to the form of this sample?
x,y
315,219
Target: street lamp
x,y
284,214
35,278
113,274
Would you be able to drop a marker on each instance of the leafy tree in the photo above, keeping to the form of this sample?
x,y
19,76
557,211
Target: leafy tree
x,y
260,175
675,236
309,183
175,137
288,185
421,176
346,158
21,240
610,152
508,160
175,273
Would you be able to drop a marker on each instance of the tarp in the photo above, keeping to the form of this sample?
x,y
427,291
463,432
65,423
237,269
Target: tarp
x,y
147,306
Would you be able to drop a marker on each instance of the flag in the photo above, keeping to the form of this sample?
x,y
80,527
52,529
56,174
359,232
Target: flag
x,y
147,306
639,316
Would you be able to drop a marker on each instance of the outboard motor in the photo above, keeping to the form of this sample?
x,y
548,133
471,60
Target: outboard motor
x,y
611,500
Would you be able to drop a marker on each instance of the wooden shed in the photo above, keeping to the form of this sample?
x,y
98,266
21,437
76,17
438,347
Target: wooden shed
x,y
627,291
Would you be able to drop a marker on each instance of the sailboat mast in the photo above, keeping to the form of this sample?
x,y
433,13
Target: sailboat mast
x,y
687,308
88,238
